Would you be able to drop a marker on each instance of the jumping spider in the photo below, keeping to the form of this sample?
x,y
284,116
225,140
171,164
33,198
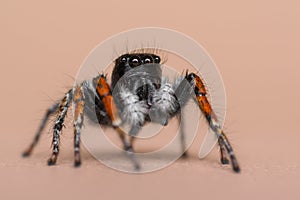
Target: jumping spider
x,y
141,97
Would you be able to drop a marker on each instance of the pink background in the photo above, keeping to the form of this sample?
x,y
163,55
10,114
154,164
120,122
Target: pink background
x,y
255,45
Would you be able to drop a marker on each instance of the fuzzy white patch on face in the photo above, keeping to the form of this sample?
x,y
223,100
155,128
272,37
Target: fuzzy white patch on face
x,y
134,111
164,98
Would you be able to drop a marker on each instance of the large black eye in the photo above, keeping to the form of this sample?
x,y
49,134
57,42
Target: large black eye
x,y
157,59
134,61
148,59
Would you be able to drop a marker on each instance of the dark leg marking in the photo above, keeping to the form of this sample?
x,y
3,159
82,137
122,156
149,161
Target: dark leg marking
x,y
224,160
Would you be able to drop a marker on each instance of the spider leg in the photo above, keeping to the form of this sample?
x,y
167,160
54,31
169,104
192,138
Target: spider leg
x,y
128,147
167,104
36,138
130,151
182,136
223,155
205,107
104,92
62,112
78,121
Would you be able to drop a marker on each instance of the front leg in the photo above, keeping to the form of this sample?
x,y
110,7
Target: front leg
x,y
205,107
132,113
165,105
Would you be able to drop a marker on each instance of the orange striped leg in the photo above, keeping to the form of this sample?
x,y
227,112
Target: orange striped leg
x,y
211,118
104,93
78,121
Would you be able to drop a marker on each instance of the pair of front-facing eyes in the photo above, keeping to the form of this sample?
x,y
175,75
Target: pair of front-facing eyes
x,y
135,60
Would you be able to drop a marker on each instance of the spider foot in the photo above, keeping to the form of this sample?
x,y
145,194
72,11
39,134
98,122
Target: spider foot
x,y
224,161
77,161
27,152
236,169
235,165
52,159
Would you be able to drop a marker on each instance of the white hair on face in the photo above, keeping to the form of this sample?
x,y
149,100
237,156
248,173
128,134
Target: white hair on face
x,y
164,99
134,110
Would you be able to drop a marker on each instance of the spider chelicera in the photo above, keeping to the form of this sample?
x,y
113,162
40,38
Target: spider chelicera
x,y
137,95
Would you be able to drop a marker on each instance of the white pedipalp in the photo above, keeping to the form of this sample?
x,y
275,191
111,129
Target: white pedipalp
x,y
134,111
164,99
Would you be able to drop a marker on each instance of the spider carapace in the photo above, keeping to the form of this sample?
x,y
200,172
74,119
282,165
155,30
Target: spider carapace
x,y
138,94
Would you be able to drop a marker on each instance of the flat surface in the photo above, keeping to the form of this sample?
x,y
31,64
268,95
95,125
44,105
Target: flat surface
x,y
255,45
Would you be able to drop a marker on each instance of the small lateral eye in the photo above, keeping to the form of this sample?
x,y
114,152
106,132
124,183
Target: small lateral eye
x,y
157,59
148,59
134,61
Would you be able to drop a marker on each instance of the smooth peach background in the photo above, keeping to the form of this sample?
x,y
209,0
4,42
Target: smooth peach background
x,y
255,45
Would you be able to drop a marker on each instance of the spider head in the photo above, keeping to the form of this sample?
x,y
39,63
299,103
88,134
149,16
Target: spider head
x,y
130,61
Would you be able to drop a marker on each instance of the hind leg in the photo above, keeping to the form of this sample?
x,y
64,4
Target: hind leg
x,y
59,122
49,112
78,121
